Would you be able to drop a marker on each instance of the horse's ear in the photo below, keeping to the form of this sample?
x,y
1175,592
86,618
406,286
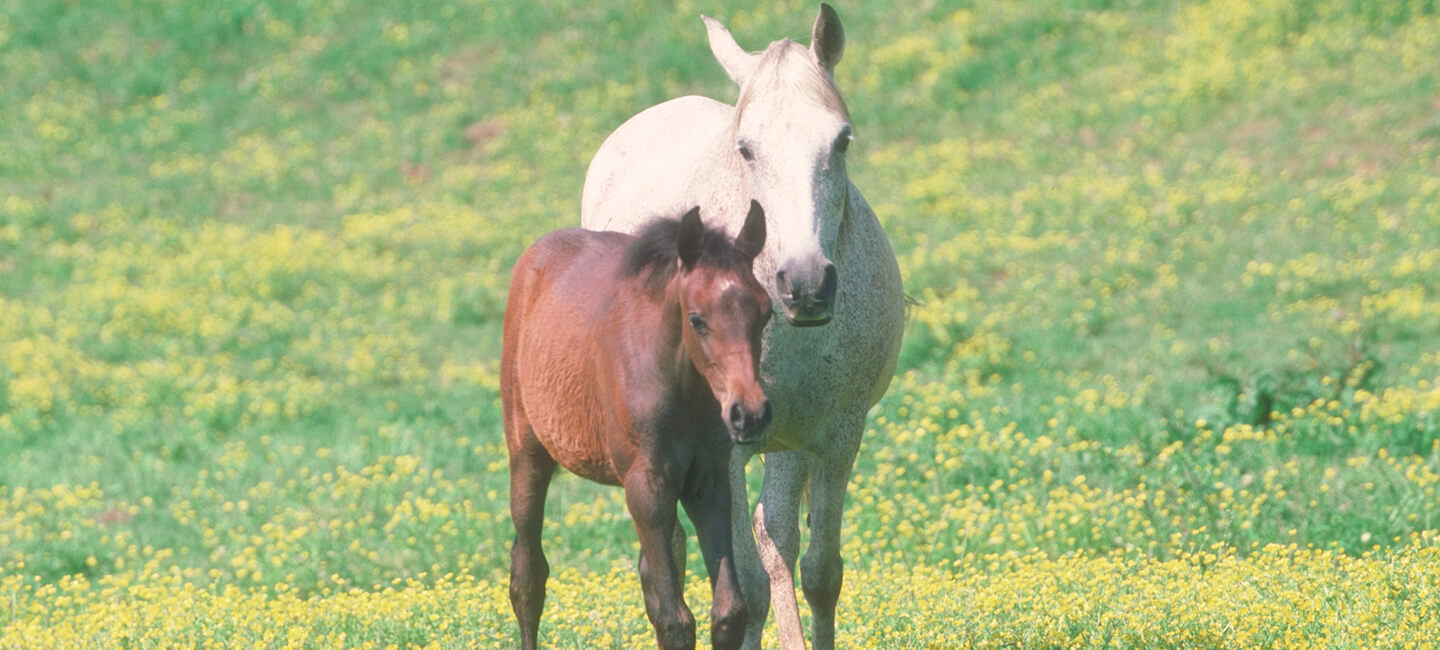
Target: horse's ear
x,y
688,240
827,39
737,62
751,239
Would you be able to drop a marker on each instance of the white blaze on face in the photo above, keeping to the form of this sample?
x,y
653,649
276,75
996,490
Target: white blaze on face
x,y
790,122
793,169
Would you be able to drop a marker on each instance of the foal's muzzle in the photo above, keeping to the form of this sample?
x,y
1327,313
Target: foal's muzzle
x,y
807,291
746,425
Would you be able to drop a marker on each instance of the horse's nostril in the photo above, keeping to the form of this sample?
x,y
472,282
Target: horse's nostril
x,y
782,285
829,283
737,416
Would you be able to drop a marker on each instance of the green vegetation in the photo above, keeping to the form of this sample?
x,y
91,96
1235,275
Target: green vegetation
x,y
1173,379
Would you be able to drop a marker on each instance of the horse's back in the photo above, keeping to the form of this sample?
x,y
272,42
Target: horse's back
x,y
645,166
548,371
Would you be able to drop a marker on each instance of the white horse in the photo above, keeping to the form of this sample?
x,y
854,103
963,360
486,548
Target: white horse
x,y
827,265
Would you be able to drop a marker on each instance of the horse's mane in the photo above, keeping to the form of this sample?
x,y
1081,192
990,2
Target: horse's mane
x,y
786,66
653,252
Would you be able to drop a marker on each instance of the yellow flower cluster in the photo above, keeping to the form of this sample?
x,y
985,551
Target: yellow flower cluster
x,y
1279,595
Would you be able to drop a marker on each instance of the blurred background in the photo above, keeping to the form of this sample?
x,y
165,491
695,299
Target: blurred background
x,y
1176,346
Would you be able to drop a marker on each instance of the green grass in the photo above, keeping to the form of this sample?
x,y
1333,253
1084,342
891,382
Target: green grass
x,y
1175,264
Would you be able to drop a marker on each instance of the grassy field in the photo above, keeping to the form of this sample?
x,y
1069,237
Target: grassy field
x,y
1173,379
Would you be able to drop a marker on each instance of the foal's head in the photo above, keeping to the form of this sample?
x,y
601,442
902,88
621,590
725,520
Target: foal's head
x,y
723,309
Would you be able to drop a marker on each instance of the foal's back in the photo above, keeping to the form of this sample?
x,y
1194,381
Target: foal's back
x,y
563,300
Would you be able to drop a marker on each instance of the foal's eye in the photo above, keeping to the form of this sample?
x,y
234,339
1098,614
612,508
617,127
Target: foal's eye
x,y
698,324
745,151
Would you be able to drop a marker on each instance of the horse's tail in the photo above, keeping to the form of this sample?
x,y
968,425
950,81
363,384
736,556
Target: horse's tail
x,y
911,302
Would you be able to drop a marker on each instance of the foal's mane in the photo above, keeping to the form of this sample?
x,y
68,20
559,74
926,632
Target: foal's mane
x,y
656,246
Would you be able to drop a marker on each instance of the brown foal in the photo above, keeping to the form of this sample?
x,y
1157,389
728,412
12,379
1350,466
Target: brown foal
x,y
634,361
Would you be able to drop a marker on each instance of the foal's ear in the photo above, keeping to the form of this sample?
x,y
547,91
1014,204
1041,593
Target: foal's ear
x,y
688,240
827,39
751,239
737,62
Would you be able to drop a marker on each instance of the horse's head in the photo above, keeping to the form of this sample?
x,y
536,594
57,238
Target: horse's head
x,y
724,310
791,130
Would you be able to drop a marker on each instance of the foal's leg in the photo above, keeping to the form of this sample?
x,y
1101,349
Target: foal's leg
x,y
530,471
651,501
822,570
709,508
677,552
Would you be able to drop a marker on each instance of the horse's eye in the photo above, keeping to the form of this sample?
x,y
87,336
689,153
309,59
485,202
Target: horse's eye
x,y
745,151
842,141
698,324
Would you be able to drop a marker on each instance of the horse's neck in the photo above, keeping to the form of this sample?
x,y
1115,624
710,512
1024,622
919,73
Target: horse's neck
x,y
717,182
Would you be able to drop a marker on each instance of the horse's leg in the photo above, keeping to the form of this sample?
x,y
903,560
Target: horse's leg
x,y
822,570
787,611
754,582
651,501
785,477
709,509
530,471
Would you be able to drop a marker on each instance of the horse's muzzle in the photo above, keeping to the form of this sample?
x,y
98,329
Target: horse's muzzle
x,y
747,425
808,292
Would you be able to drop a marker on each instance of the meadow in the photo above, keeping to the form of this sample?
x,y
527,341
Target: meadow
x,y
1172,378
